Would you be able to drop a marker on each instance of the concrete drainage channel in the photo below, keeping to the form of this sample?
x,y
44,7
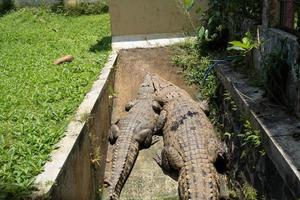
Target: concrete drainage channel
x,y
147,180
83,158
77,166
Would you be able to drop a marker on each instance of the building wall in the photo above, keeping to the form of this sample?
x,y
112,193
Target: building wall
x,y
138,17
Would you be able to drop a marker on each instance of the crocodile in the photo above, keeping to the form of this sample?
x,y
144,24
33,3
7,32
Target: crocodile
x,y
191,146
132,133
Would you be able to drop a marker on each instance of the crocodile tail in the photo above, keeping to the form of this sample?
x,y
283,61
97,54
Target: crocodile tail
x,y
198,181
124,156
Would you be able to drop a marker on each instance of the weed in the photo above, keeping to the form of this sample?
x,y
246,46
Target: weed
x,y
250,139
249,192
194,66
244,46
84,117
111,92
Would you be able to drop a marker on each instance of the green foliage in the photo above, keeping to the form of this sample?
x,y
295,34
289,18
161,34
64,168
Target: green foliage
x,y
194,66
249,192
83,8
214,33
221,15
38,98
188,4
250,140
244,46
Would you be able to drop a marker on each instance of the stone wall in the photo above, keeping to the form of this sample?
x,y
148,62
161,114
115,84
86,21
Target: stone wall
x,y
278,40
254,168
275,40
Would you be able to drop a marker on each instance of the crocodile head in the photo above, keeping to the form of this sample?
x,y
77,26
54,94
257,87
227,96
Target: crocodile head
x,y
146,90
166,91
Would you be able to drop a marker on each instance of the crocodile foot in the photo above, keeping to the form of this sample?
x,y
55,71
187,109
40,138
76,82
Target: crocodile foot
x,y
155,139
158,160
106,183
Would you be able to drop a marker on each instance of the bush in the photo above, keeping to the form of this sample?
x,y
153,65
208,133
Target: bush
x,y
82,8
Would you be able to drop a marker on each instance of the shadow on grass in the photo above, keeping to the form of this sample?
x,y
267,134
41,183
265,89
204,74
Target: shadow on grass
x,y
5,6
102,45
15,191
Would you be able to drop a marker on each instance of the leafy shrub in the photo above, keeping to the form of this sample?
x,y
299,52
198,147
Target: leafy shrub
x,y
82,8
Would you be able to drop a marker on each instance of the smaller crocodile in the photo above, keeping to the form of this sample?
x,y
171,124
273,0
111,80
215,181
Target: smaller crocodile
x,y
132,133
190,144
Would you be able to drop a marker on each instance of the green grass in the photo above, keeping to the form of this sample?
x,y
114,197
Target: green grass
x,y
38,99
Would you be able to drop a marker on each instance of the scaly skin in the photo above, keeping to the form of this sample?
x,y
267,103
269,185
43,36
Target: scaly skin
x,y
190,144
132,133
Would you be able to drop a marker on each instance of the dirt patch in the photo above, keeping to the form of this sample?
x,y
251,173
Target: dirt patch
x,y
147,181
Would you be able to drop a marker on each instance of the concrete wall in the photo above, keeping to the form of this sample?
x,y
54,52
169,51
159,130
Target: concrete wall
x,y
254,168
76,169
135,17
275,39
82,176
274,174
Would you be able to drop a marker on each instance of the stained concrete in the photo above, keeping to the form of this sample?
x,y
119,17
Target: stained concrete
x,y
135,17
147,181
148,40
279,130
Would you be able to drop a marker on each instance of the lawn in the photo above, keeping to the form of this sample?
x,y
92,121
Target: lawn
x,y
38,98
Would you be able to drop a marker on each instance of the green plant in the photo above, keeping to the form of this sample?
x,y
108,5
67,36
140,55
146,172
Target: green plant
x,y
245,45
214,34
38,99
194,67
188,4
82,8
249,192
250,139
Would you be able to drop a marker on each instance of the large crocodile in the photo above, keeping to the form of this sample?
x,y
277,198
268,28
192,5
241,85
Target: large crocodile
x,y
191,146
132,133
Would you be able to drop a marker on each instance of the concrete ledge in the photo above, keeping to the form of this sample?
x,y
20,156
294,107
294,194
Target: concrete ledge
x,y
280,132
76,166
147,41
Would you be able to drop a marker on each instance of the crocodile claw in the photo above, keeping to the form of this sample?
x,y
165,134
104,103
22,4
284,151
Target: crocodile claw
x,y
155,139
106,183
158,160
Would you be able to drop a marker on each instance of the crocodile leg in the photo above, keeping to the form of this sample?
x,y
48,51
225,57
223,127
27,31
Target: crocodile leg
x,y
114,133
129,105
170,159
142,136
160,121
156,106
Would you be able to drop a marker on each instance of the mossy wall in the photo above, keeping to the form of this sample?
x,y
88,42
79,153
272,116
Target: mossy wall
x,y
247,166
